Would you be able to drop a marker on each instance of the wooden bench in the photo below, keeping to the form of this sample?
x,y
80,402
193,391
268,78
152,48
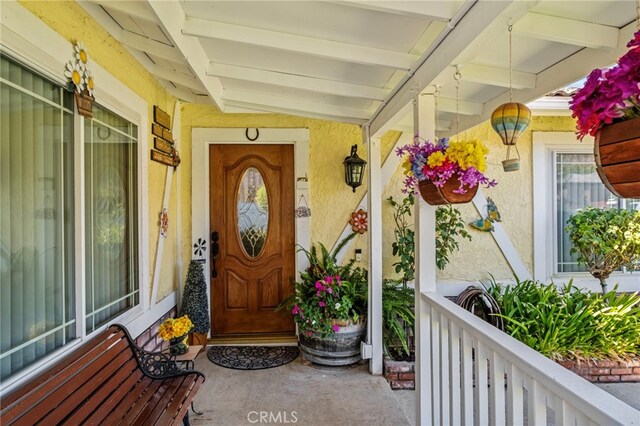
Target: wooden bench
x,y
108,380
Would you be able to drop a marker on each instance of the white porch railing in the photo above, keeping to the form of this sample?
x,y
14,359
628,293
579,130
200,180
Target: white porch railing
x,y
514,384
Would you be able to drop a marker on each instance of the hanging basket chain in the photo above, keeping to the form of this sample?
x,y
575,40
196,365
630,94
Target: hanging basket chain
x,y
510,28
638,13
457,76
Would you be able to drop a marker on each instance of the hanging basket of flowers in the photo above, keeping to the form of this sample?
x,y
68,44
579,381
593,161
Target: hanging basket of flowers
x,y
608,107
445,172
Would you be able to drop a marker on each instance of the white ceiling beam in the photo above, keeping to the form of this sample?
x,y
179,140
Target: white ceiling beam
x,y
145,44
571,69
293,104
312,84
495,76
136,9
568,31
299,44
177,78
172,17
470,22
462,107
435,11
182,94
246,106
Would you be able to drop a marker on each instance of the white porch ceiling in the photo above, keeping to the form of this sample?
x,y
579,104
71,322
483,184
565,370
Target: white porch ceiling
x,y
363,61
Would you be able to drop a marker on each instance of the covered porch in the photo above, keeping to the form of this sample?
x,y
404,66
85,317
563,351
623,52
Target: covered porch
x,y
319,77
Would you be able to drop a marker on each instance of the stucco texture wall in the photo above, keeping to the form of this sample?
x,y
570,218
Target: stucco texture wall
x,y
331,201
513,196
74,24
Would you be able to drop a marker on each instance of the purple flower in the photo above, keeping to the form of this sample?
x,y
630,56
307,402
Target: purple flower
x,y
329,290
321,304
336,328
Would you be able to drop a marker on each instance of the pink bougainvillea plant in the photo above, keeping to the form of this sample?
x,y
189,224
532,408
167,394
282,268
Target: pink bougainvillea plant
x,y
611,95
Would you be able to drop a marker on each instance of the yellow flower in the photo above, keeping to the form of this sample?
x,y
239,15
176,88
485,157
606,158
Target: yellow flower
x,y
468,154
436,159
406,167
81,53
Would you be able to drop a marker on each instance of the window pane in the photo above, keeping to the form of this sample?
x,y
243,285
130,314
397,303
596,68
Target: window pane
x,y
253,212
37,301
111,216
578,186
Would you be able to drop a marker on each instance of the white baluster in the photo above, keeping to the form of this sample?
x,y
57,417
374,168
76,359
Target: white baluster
x,y
497,396
537,412
482,383
467,379
455,403
445,385
435,365
514,396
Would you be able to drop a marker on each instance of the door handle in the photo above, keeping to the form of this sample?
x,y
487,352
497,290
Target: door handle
x,y
215,250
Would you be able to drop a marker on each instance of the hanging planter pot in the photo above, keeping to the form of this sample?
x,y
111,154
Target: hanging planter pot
x,y
437,196
617,155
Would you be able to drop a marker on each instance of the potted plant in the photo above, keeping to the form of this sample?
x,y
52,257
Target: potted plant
x,y
605,240
195,304
445,172
608,107
176,332
329,305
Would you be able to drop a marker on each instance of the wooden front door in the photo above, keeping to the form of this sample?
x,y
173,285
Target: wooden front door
x,y
252,210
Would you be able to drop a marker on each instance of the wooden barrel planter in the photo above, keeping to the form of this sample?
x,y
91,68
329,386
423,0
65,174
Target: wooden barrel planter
x,y
436,196
343,348
617,155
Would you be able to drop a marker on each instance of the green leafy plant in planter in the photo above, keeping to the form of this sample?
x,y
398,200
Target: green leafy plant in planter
x,y
403,247
568,323
398,319
194,301
605,240
449,226
328,295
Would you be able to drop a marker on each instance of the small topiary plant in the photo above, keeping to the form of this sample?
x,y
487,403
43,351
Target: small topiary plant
x,y
605,240
194,299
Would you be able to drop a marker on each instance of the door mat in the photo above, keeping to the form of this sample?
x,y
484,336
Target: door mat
x,y
252,357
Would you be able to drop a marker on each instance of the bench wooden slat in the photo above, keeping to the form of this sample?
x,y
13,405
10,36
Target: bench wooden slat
x,y
61,381
108,395
76,392
108,380
16,399
179,406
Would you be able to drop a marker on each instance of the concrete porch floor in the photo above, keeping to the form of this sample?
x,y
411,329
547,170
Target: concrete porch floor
x,y
297,393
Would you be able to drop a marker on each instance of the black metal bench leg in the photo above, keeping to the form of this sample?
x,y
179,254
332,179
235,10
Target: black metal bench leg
x,y
185,419
194,410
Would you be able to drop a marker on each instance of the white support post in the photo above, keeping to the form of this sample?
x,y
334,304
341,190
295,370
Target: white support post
x,y
424,121
375,250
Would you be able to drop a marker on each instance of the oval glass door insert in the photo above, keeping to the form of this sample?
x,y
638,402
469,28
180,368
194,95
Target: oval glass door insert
x,y
253,212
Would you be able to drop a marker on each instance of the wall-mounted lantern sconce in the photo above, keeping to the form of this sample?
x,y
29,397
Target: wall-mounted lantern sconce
x,y
354,169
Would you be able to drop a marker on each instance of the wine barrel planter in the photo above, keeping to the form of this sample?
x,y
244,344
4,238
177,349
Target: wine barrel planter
x,y
436,196
343,348
617,155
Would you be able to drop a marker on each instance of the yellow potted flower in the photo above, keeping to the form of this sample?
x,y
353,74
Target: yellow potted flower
x,y
176,331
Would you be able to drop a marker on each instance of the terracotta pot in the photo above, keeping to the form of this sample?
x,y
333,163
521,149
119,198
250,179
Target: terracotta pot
x,y
438,196
617,155
198,339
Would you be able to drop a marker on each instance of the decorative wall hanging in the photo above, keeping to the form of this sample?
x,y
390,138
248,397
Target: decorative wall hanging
x,y
303,209
608,107
199,250
486,224
358,221
164,223
510,120
165,152
81,80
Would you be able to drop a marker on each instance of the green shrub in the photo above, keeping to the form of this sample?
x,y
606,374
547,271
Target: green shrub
x,y
569,323
605,240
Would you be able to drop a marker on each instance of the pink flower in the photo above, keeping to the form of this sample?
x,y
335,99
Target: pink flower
x,y
329,290
336,328
328,280
319,285
309,333
296,310
321,304
318,293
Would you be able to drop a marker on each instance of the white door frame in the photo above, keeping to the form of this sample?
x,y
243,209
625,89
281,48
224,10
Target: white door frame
x,y
202,138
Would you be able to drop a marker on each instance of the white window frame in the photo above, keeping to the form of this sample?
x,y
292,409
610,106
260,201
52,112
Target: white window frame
x,y
545,144
26,39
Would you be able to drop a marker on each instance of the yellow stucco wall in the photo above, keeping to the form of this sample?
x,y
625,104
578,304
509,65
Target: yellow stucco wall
x,y
74,24
513,195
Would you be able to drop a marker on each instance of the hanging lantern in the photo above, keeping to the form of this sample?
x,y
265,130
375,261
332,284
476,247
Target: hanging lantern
x,y
354,169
